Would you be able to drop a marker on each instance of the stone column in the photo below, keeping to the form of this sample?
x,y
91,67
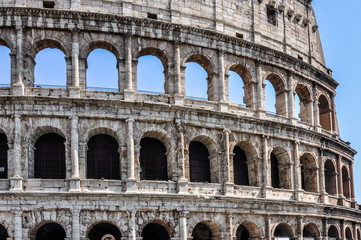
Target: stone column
x,y
227,184
299,235
229,227
132,226
297,172
334,116
316,110
223,105
342,229
260,105
339,177
74,181
128,91
131,181
178,95
74,90
75,224
18,87
352,183
182,180
267,226
18,226
183,233
291,99
267,189
322,178
16,182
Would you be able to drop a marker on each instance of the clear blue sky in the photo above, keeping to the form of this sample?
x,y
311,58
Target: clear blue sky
x,y
340,29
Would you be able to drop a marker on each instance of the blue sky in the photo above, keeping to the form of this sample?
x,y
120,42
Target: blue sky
x,y
340,30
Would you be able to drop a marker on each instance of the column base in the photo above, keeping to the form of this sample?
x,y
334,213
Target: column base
x,y
178,99
128,95
341,200
182,186
74,185
18,89
131,185
16,184
299,194
228,189
74,92
223,106
324,198
267,192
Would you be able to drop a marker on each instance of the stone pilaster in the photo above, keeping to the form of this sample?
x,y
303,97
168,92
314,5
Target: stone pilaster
x,y
74,90
74,181
128,91
16,182
178,93
227,185
18,226
75,224
183,233
131,181
182,185
17,89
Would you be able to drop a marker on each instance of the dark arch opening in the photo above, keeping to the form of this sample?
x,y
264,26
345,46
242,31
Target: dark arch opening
x,y
242,233
275,179
102,72
283,230
5,66
275,95
3,233
240,167
103,157
358,234
52,231
201,232
153,160
199,162
346,182
50,157
325,113
332,233
50,69
308,173
303,104
330,177
154,231
104,231
150,75
3,156
348,234
310,231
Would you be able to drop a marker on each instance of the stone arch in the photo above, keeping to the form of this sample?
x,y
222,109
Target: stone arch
x,y
279,86
6,43
280,162
41,44
283,230
206,228
330,177
311,230
102,130
100,229
43,228
333,233
3,233
309,172
304,95
248,85
99,44
167,226
253,230
159,134
346,182
161,55
348,234
206,63
325,111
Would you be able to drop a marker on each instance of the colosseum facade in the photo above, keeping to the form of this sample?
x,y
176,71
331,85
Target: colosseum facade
x,y
87,164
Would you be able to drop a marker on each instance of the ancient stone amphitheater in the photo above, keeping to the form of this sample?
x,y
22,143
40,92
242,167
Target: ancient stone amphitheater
x,y
85,164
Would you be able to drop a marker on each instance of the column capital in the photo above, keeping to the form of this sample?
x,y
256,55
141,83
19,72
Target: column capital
x,y
227,130
130,120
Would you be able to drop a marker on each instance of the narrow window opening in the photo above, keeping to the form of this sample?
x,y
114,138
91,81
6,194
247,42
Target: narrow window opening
x,y
199,162
48,4
240,167
236,88
150,75
271,15
300,58
3,156
5,67
239,35
274,171
152,15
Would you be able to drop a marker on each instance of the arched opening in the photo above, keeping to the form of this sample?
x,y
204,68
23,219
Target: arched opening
x,y
283,232
52,231
240,86
50,69
332,233
152,71
104,231
309,173
310,232
348,234
330,178
199,162
242,233
346,182
154,231
325,113
3,156
153,160
303,104
5,67
49,162
3,233
240,167
103,157
102,72
202,232
275,179
275,95
199,78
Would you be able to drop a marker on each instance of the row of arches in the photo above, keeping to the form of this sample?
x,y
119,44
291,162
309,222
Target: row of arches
x,y
103,162
202,231
153,77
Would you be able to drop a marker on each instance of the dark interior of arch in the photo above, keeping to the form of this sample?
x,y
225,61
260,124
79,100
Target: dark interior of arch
x,y
348,234
101,229
199,162
330,177
155,231
3,156
242,233
3,233
283,230
275,179
358,235
49,159
103,158
153,160
332,232
325,113
201,232
51,231
309,231
345,182
240,167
